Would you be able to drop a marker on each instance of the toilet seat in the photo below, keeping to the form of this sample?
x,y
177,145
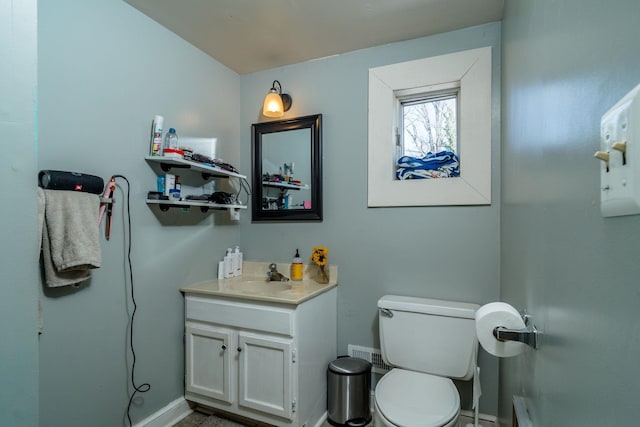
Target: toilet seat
x,y
407,398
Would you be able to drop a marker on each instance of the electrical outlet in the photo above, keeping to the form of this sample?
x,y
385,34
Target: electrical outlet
x,y
620,157
234,214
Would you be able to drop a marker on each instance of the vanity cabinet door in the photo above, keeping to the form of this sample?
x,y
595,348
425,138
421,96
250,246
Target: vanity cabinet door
x,y
208,362
266,374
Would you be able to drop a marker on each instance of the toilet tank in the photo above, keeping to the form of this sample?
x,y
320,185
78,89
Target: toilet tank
x,y
426,335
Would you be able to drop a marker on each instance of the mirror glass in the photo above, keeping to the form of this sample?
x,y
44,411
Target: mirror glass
x,y
287,169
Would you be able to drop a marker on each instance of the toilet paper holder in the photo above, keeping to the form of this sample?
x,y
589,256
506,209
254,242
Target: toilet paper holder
x,y
527,335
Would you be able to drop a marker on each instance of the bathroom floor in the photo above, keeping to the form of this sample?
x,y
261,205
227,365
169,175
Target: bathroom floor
x,y
198,419
468,421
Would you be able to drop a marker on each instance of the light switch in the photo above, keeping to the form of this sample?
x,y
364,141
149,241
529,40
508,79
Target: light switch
x,y
620,155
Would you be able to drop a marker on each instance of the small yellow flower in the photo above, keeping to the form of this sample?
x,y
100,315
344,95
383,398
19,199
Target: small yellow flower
x,y
319,255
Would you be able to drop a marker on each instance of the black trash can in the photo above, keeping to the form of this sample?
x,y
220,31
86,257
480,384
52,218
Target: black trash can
x,y
348,389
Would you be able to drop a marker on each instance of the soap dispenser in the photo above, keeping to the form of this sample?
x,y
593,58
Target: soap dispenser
x,y
296,267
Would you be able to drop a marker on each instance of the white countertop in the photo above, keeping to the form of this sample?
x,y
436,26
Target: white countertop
x,y
252,285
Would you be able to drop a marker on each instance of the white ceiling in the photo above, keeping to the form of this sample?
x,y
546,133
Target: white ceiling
x,y
255,35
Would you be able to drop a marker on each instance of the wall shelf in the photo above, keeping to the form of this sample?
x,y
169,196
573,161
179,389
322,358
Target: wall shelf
x,y
204,206
207,171
167,163
285,185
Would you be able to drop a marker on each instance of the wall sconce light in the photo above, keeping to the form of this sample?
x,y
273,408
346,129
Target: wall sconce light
x,y
276,102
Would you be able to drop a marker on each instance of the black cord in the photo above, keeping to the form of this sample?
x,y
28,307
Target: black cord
x,y
145,387
244,185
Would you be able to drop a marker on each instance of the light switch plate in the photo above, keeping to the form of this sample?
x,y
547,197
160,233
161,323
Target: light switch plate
x,y
620,176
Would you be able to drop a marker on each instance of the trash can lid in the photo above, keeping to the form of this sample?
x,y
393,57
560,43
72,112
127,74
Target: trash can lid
x,y
350,366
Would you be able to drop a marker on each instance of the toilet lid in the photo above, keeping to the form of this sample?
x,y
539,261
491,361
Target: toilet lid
x,y
408,398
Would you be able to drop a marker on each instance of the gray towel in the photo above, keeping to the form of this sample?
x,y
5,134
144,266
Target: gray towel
x,y
70,237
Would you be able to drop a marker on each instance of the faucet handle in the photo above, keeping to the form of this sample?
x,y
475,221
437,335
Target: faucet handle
x,y
272,267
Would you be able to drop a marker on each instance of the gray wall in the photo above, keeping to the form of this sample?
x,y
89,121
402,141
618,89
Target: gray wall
x,y
438,252
104,71
565,64
19,236
103,74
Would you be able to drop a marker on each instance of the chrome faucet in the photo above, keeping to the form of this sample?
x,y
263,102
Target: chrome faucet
x,y
274,276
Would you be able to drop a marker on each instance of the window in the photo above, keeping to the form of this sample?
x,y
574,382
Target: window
x,y
421,109
427,135
430,125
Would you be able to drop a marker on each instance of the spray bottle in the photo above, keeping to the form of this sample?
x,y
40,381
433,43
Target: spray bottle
x,y
156,136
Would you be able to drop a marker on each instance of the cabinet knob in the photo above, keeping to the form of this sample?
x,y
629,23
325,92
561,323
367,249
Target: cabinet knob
x,y
239,349
224,347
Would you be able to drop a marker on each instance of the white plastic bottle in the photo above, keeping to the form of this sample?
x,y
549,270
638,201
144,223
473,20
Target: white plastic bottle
x,y
237,260
221,270
228,264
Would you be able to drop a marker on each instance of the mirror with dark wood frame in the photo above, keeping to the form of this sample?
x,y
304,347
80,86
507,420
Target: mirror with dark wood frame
x,y
287,169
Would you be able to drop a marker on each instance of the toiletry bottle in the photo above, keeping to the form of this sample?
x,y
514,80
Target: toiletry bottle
x,y
238,261
228,264
156,136
296,267
234,261
171,139
169,183
221,270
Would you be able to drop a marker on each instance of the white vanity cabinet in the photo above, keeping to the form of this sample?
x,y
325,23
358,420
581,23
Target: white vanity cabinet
x,y
262,360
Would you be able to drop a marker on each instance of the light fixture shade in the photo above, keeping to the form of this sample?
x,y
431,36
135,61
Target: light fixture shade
x,y
273,105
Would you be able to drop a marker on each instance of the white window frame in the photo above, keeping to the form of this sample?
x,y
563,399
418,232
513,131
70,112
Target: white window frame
x,y
471,70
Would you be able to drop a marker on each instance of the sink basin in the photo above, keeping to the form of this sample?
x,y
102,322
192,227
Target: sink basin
x,y
259,286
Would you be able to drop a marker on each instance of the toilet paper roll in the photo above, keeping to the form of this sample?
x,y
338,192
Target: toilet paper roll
x,y
495,314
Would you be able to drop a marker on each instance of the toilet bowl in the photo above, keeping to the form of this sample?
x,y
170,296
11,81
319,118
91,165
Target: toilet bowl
x,y
427,343
410,399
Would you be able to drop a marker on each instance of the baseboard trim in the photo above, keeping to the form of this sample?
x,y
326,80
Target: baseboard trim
x,y
167,416
322,419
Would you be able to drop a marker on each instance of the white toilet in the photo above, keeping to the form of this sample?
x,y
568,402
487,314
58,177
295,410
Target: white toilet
x,y
427,342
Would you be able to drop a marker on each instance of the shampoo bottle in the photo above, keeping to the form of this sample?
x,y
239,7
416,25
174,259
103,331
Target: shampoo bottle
x,y
296,267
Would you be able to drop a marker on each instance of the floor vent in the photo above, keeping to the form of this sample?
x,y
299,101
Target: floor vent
x,y
369,354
